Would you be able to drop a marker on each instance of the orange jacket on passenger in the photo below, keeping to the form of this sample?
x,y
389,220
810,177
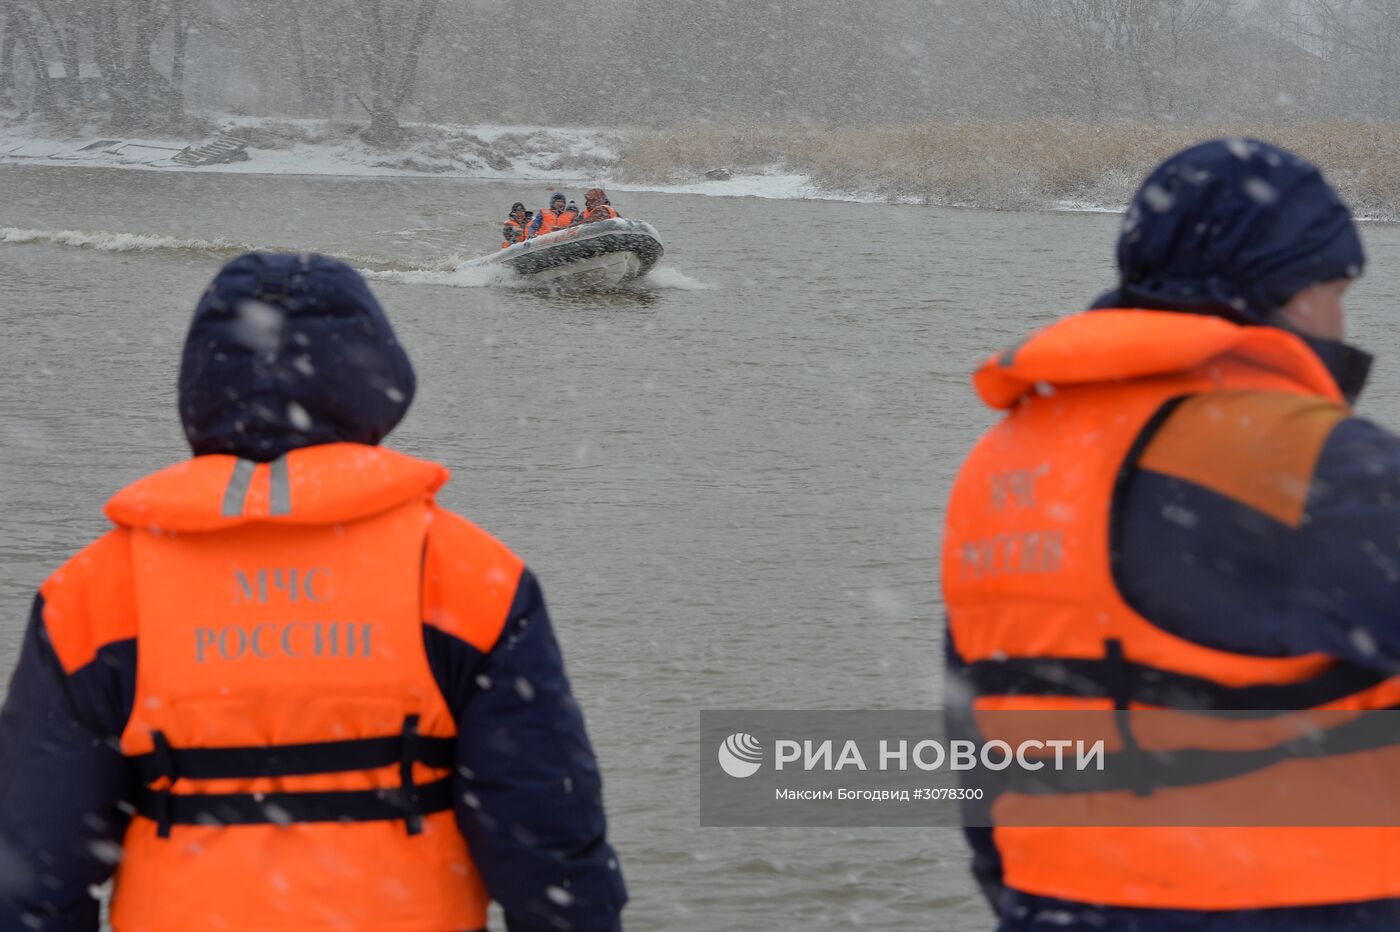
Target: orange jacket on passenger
x,y
1037,623
601,212
514,232
551,220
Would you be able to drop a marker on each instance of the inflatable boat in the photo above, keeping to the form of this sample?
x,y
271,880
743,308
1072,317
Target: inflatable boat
x,y
602,254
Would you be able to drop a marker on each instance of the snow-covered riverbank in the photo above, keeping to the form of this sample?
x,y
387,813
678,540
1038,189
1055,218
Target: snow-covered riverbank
x,y
1012,166
318,147
566,156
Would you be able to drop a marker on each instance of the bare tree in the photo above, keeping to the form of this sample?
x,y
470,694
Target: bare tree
x,y
179,41
1193,29
126,36
1085,54
1363,37
21,31
315,61
367,50
57,24
7,63
390,36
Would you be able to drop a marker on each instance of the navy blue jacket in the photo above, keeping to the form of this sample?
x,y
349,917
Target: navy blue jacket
x,y
286,352
1211,569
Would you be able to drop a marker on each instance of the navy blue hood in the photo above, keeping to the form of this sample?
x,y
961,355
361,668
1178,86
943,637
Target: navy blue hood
x,y
289,351
1235,228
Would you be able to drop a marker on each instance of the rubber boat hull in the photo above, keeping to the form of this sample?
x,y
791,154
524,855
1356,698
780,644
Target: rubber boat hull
x,y
592,255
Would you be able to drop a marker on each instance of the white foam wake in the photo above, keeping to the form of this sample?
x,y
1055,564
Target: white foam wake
x,y
665,276
450,271
113,241
464,276
468,275
118,241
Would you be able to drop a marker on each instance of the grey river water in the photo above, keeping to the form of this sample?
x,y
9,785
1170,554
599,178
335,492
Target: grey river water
x,y
729,483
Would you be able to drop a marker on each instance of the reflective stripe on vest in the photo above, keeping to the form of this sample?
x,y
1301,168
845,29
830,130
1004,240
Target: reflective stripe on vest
x,y
1038,624
293,748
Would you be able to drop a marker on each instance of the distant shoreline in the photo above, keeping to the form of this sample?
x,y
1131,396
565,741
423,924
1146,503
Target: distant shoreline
x,y
483,152
1057,165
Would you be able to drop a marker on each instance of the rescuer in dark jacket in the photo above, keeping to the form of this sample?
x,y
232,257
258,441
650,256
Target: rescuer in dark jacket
x,y
373,731
1260,524
556,217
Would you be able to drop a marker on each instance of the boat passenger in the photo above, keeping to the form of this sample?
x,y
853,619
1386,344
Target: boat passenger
x,y
557,217
597,207
511,234
516,224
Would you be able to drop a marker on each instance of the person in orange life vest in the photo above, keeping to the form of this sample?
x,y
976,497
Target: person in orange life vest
x,y
557,217
516,225
1228,539
287,690
596,206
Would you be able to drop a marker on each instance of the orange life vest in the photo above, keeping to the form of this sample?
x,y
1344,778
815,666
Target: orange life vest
x,y
294,750
551,221
1028,585
601,212
521,232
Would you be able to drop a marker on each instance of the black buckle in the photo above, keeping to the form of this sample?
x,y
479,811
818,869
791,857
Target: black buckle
x,y
1121,691
408,789
164,761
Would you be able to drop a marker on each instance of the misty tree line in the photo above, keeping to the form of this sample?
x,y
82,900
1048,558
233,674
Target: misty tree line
x,y
1175,58
143,65
134,63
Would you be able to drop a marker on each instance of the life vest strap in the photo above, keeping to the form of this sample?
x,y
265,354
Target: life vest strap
x,y
1104,678
213,809
1142,770
288,760
167,765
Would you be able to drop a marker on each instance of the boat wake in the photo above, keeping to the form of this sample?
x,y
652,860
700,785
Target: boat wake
x,y
660,278
113,241
450,271
666,277
120,241
464,277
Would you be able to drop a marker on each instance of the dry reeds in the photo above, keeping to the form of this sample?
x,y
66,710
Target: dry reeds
x,y
1005,163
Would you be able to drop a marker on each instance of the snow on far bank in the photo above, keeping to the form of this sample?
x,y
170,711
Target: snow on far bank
x,y
555,156
572,156
486,152
319,147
